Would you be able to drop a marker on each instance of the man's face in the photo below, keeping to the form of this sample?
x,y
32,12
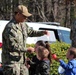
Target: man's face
x,y
20,17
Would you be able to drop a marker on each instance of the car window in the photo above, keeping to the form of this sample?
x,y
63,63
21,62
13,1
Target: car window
x,y
64,36
50,38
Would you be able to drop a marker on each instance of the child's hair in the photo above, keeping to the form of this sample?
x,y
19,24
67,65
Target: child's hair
x,y
42,52
46,45
41,43
73,51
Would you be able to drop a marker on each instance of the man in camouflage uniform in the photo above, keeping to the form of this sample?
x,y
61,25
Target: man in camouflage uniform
x,y
14,43
73,34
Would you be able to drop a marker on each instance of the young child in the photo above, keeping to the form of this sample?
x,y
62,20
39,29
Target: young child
x,y
70,67
35,60
43,67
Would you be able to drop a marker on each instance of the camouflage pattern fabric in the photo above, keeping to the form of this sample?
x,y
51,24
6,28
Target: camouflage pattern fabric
x,y
15,69
73,34
14,42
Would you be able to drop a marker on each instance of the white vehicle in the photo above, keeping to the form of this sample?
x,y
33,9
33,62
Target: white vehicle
x,y
56,32
2,26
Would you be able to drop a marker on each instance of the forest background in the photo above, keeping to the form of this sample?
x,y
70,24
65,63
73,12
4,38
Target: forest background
x,y
62,11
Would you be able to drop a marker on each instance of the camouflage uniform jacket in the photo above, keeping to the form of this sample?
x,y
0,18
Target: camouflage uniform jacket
x,y
14,41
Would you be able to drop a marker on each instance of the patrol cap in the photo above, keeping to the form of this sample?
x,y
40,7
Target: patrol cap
x,y
23,9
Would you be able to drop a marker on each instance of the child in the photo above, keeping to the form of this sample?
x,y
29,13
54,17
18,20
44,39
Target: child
x,y
35,60
70,67
44,44
43,67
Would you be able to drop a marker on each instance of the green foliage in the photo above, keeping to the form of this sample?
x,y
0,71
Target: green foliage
x,y
30,55
29,45
60,49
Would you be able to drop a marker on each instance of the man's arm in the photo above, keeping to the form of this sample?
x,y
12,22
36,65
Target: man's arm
x,y
34,33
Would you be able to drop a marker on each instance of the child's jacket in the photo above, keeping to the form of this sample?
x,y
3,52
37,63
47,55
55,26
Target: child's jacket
x,y
43,68
70,67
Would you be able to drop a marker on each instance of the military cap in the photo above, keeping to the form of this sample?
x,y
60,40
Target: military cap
x,y
23,9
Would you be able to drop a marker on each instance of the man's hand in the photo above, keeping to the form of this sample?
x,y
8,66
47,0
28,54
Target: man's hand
x,y
30,49
46,32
